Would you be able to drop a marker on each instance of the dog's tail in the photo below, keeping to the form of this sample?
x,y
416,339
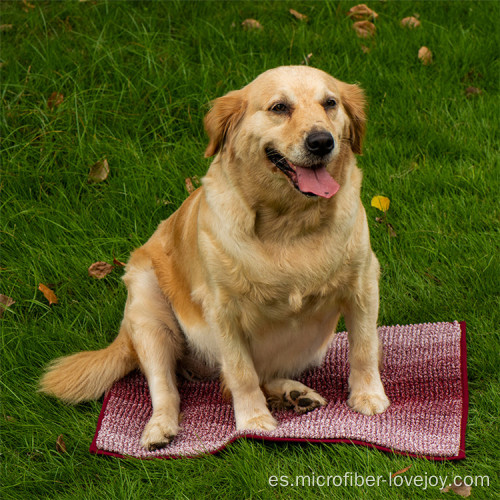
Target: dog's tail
x,y
87,375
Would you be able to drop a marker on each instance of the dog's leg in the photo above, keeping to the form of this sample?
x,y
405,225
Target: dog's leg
x,y
289,394
367,393
155,337
240,377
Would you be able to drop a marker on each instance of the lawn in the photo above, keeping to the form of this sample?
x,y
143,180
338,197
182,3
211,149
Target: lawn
x,y
84,82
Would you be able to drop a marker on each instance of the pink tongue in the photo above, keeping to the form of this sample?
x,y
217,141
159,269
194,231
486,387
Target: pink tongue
x,y
317,181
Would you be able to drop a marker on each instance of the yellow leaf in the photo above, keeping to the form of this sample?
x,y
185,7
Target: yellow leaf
x,y
381,202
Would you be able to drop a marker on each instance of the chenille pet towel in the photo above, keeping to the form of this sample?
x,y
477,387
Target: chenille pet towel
x,y
424,375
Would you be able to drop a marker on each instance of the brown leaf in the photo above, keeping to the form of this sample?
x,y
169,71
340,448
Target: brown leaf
x,y
460,489
27,6
100,270
298,15
410,22
192,183
48,293
425,55
364,29
307,59
6,27
472,91
5,302
99,171
251,24
118,263
365,49
402,471
55,100
60,444
361,12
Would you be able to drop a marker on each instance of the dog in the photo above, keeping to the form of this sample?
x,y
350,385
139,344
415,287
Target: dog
x,y
248,278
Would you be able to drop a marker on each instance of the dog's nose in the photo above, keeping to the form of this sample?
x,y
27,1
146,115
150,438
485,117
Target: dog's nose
x,y
320,143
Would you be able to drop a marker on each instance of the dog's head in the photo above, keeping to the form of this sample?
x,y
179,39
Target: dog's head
x,y
290,125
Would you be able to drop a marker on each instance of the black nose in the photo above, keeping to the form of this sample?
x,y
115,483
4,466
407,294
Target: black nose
x,y
320,143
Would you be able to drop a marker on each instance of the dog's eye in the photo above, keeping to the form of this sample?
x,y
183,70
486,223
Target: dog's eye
x,y
330,103
279,107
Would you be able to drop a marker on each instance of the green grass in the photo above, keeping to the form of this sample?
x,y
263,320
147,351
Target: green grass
x,y
137,80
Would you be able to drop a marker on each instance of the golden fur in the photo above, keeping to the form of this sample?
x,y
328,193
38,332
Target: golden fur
x,y
249,276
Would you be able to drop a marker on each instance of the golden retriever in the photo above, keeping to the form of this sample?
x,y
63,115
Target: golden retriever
x,y
248,278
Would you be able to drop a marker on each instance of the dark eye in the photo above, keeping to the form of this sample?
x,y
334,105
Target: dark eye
x,y
330,103
279,107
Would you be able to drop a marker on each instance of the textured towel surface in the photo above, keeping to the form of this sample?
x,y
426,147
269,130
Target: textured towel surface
x,y
425,377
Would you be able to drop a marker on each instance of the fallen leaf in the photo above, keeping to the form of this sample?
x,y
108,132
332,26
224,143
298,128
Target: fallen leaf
x,y
365,49
307,59
192,183
118,263
471,91
6,27
425,55
60,444
251,24
27,6
5,302
55,99
410,22
364,29
100,270
361,12
381,202
99,171
402,471
388,225
48,293
298,15
460,489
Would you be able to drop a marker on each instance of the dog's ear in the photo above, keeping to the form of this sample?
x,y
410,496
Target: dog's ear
x,y
222,119
354,102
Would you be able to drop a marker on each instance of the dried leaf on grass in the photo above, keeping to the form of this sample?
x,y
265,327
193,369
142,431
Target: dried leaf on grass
x,y
298,15
6,27
251,24
100,270
60,444
55,100
472,91
362,12
381,202
5,302
99,171
460,489
410,22
364,29
118,263
402,471
307,59
425,55
48,294
388,225
192,183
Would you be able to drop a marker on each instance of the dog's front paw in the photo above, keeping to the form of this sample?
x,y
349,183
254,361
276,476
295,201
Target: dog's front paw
x,y
263,422
368,403
159,432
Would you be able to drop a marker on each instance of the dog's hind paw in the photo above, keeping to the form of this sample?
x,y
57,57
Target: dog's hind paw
x,y
290,394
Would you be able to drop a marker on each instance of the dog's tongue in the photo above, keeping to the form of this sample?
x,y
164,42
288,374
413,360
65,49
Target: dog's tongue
x,y
317,181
